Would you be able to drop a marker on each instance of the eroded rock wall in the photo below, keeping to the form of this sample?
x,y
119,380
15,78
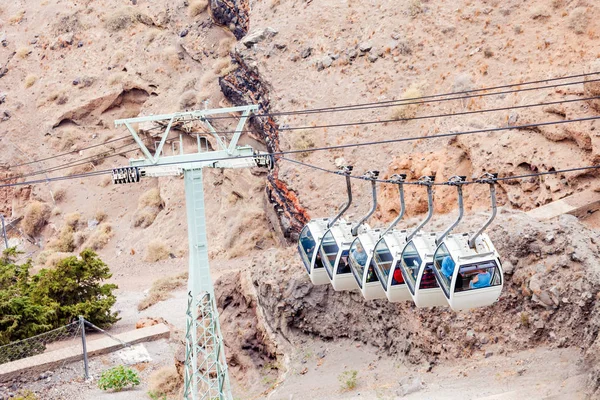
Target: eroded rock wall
x,y
550,298
245,86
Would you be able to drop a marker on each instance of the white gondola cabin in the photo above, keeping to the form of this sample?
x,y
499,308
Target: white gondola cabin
x,y
467,266
361,252
311,237
336,244
308,247
386,253
416,261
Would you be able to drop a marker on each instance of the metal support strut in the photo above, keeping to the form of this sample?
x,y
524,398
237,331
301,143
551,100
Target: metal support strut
x,y
490,179
205,367
428,182
399,180
372,176
345,171
457,181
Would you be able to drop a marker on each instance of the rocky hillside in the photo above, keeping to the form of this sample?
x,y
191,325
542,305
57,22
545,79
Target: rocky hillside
x,y
68,70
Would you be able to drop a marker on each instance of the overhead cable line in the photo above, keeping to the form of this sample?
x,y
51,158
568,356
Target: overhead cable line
x,y
364,144
78,150
75,163
70,152
407,101
394,120
506,178
435,98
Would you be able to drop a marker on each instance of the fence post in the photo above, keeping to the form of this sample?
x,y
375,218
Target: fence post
x,y
85,356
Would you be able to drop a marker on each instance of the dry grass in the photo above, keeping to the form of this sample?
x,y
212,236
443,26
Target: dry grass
x,y
65,139
165,381
223,66
303,140
125,18
100,216
579,20
156,251
161,290
56,211
151,198
144,218
225,46
59,194
197,7
105,181
207,78
36,216
17,18
73,220
149,206
54,258
116,78
79,238
59,97
30,80
23,52
188,99
64,242
415,8
408,110
100,237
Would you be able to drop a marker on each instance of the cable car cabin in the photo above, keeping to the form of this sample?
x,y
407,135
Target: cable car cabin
x,y
308,247
469,277
386,262
417,269
335,250
361,253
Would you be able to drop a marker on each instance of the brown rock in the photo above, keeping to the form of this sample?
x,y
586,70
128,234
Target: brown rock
x,y
149,321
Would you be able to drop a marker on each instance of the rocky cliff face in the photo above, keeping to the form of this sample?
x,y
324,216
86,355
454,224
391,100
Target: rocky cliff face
x,y
245,86
550,297
233,14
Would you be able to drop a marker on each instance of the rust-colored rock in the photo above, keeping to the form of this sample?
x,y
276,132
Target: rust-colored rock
x,y
149,321
244,86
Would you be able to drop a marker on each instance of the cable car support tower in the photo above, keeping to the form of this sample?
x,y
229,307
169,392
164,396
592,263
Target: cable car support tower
x,y
206,375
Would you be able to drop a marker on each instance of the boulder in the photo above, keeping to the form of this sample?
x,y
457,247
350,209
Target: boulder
x,y
258,36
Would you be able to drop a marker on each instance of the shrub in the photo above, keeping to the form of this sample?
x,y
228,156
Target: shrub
x,y
165,381
30,80
198,7
303,141
25,395
161,289
149,206
100,216
406,111
23,52
30,305
72,219
156,251
348,379
59,194
65,241
100,237
75,285
118,378
579,20
36,216
188,99
124,18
